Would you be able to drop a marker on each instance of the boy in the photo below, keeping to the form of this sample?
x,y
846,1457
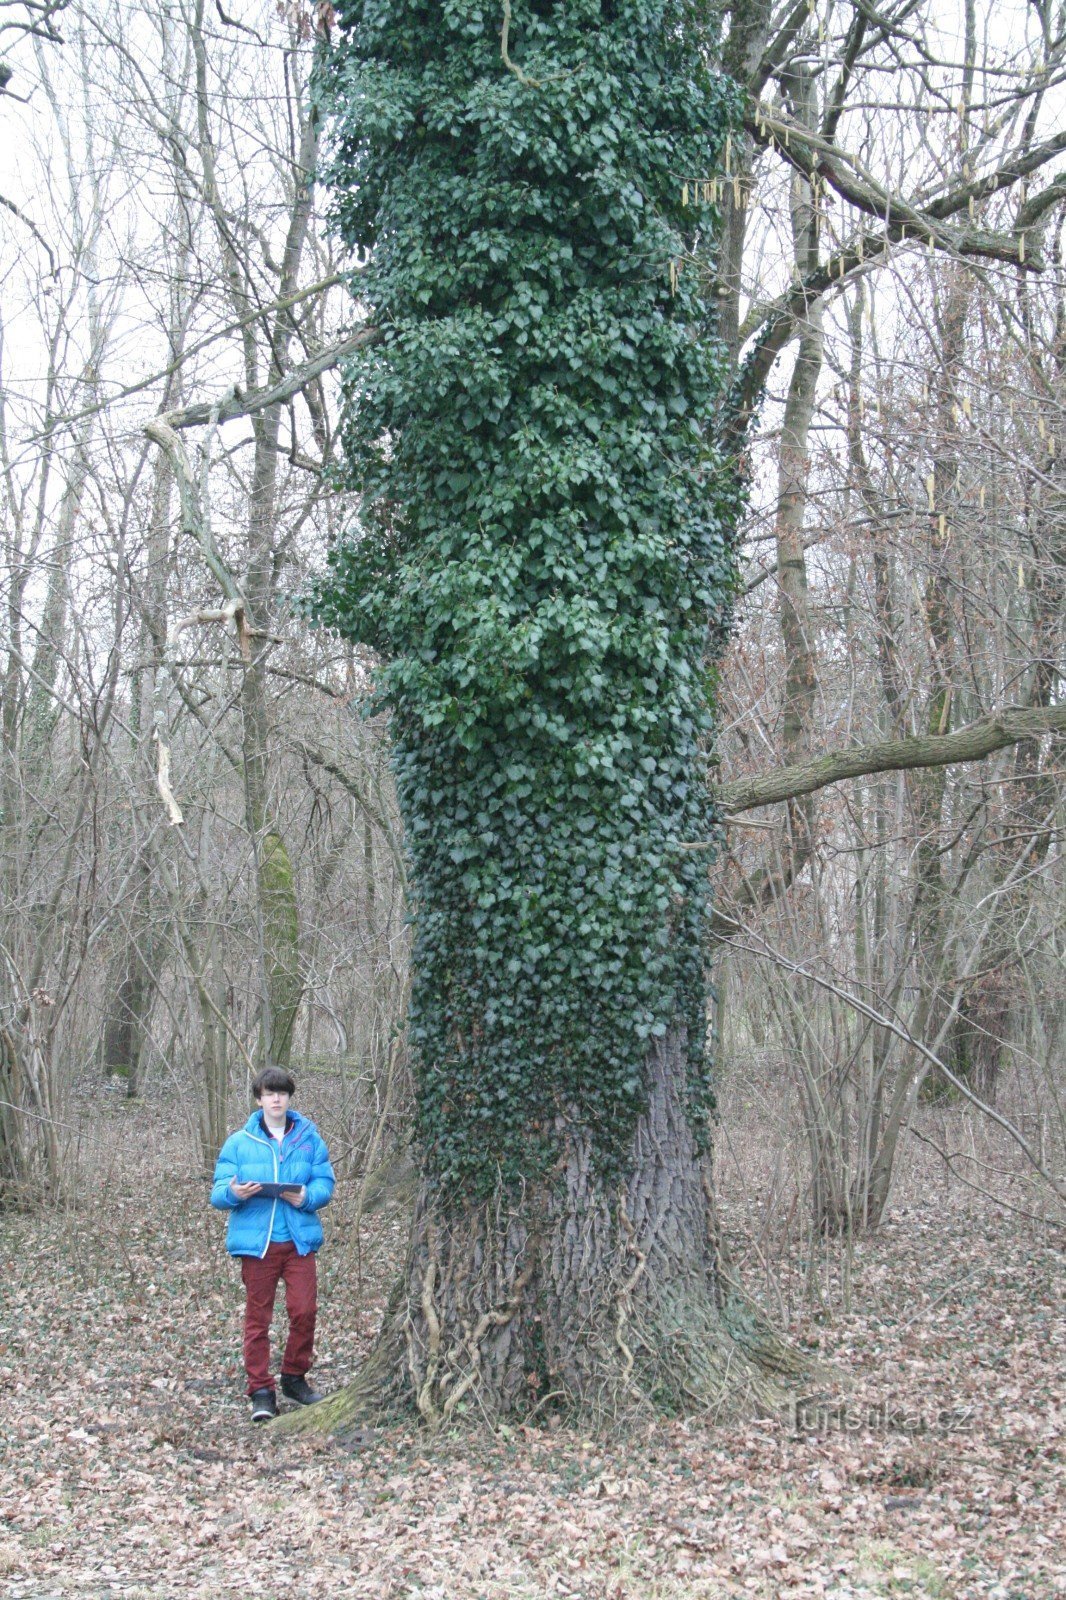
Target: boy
x,y
275,1236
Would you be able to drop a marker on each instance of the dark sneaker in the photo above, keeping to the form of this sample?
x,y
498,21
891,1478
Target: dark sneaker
x,y
299,1389
264,1405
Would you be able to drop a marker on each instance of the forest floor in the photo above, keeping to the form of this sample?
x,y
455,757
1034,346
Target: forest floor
x,y
130,1468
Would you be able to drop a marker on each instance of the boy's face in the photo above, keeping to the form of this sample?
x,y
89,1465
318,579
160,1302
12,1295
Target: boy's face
x,y
275,1103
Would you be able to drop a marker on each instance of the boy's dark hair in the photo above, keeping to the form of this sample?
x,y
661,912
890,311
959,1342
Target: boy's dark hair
x,y
275,1078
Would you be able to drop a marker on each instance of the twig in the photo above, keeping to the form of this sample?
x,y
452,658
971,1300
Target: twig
x,y
10,205
996,1199
53,1122
760,947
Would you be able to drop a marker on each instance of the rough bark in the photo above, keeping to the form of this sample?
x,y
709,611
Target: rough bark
x,y
592,1296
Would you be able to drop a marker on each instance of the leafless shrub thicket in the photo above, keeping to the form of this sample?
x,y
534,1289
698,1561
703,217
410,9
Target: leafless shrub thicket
x,y
201,861
899,937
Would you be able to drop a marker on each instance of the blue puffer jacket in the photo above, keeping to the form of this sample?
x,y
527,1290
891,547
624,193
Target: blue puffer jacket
x,y
252,1156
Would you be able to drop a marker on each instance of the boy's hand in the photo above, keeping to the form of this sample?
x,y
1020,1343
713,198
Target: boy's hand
x,y
243,1191
295,1197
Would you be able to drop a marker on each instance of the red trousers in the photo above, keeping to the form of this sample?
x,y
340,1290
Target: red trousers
x,y
260,1278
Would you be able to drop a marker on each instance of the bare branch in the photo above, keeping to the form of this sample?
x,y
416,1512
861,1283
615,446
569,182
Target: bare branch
x,y
816,158
162,778
971,743
901,220
9,205
758,946
750,584
162,374
237,404
193,519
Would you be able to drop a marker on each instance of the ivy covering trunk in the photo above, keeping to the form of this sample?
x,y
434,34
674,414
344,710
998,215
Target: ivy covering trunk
x,y
544,563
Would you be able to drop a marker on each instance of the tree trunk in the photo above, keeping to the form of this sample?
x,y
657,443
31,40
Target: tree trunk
x,y
277,910
548,754
124,1024
795,613
928,788
133,977
994,1010
29,1148
592,1296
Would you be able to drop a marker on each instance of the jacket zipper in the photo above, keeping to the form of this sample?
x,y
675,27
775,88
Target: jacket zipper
x,y
273,1145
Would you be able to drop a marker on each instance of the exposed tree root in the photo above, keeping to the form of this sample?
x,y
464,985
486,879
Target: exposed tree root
x,y
569,1299
376,1396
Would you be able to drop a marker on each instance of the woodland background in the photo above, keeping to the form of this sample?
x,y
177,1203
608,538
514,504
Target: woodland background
x,y
891,1000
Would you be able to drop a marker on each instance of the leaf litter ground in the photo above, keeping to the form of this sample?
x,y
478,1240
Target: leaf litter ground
x,y
130,1468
